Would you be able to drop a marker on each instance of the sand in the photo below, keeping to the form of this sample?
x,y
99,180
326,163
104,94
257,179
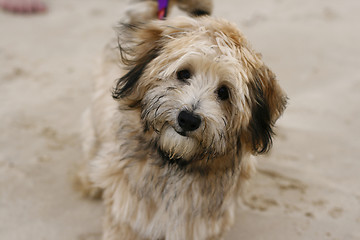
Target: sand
x,y
307,187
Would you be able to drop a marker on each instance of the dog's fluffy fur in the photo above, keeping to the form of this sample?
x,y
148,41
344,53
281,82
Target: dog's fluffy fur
x,y
160,179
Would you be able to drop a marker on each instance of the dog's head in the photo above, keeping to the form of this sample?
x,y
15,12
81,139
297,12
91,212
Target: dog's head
x,y
200,89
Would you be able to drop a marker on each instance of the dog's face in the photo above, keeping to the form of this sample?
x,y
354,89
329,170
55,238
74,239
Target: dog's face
x,y
201,91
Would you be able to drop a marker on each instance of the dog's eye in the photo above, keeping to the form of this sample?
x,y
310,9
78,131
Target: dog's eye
x,y
183,75
223,93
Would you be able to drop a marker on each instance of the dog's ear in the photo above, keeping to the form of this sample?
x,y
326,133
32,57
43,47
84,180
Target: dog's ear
x,y
138,44
266,99
267,102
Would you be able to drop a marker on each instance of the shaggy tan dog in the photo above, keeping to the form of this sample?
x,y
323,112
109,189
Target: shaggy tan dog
x,y
170,145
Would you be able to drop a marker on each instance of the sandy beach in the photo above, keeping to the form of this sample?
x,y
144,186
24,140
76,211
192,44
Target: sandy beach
x,y
307,187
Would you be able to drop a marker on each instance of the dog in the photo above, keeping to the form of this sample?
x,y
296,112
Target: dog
x,y
169,142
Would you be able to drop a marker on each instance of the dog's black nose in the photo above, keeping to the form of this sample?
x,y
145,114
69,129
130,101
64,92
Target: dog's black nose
x,y
189,121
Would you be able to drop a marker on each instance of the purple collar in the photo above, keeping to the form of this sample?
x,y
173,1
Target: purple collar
x,y
162,9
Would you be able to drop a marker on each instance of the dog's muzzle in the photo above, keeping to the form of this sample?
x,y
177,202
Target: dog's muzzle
x,y
188,121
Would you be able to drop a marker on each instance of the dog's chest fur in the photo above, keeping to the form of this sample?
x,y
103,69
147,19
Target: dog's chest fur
x,y
157,198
